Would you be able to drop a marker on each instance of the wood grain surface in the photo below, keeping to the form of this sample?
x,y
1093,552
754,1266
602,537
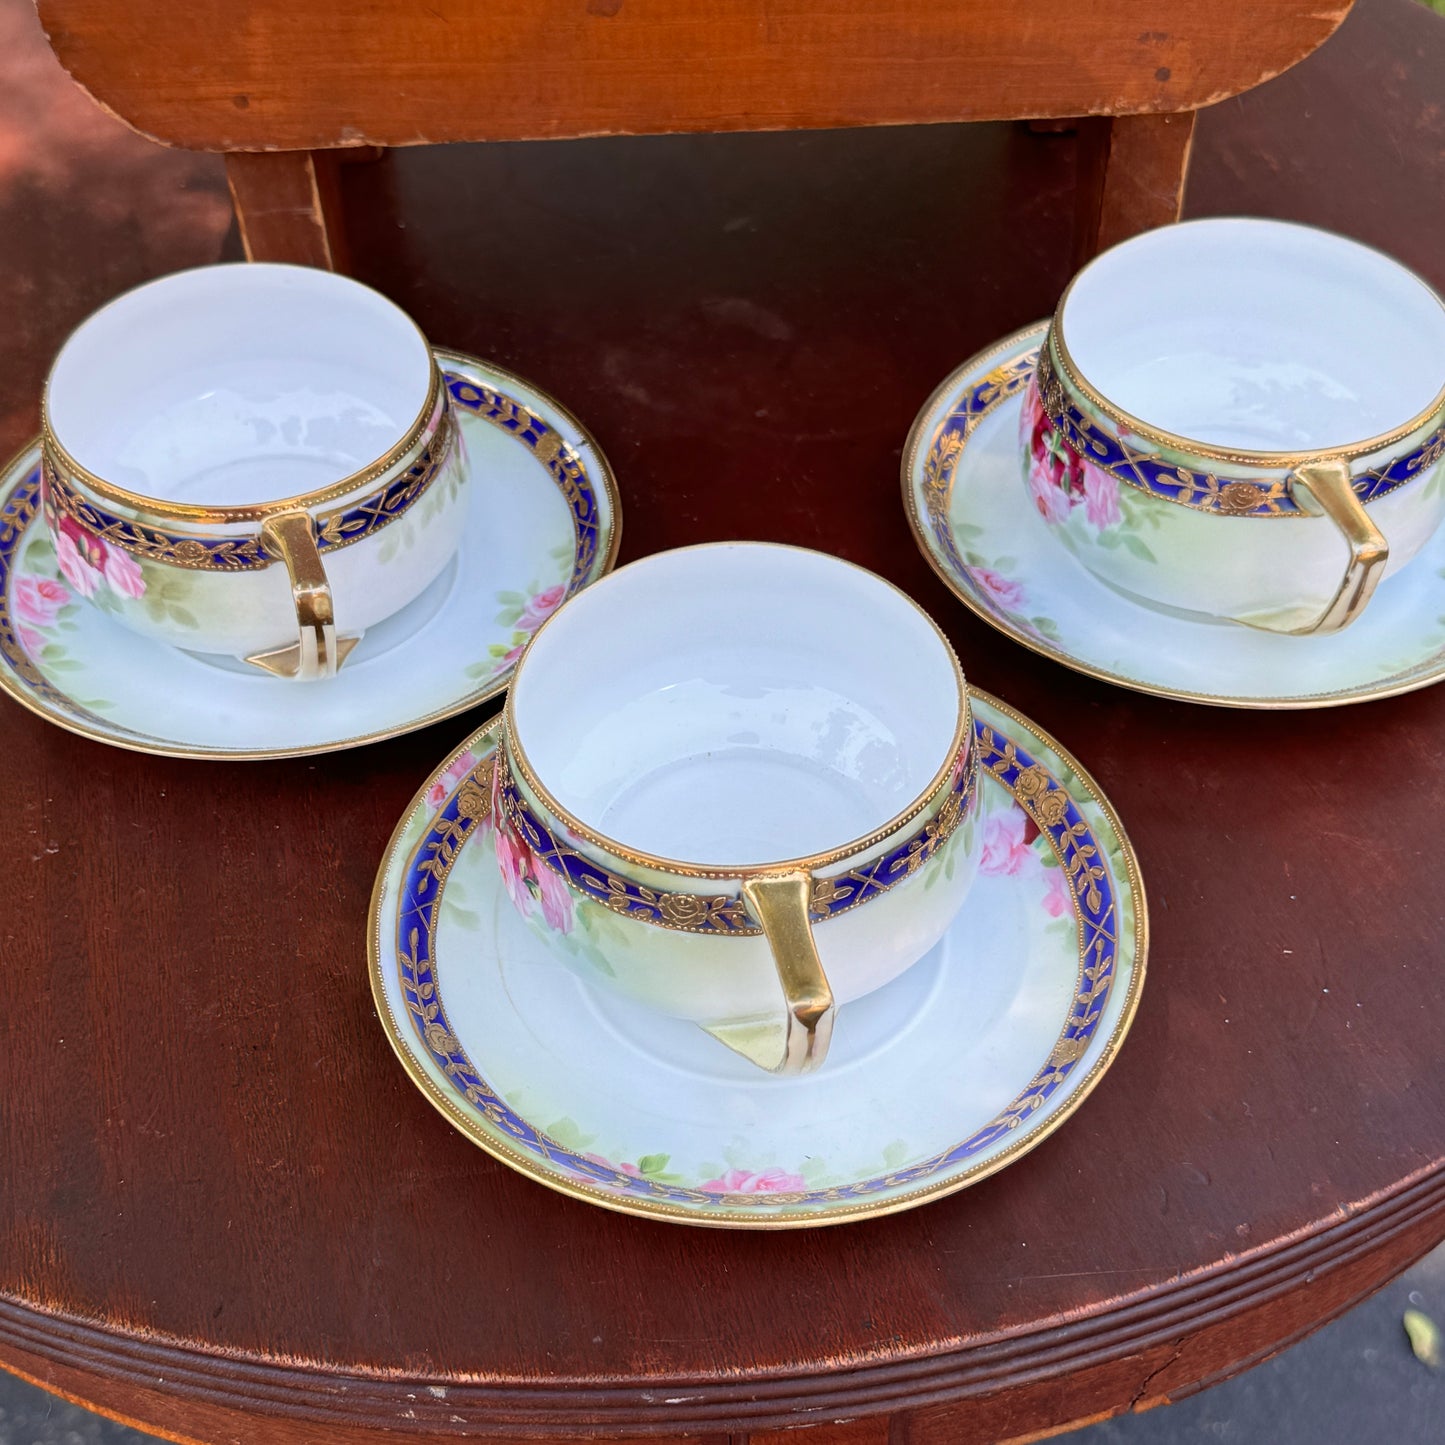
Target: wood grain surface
x,y
295,76
224,1211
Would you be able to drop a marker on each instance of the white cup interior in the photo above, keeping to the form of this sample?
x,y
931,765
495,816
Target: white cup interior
x,y
1257,335
737,704
238,384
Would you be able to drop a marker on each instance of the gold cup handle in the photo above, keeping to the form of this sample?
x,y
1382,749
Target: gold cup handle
x,y
1323,488
779,902
317,651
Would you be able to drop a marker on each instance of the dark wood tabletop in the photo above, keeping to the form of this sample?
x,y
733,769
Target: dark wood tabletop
x,y
226,1214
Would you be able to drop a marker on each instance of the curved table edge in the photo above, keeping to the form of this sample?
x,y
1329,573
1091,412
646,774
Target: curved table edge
x,y
1152,1347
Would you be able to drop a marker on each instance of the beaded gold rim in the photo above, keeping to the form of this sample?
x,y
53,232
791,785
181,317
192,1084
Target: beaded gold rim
x,y
415,435
1412,679
516,755
1284,461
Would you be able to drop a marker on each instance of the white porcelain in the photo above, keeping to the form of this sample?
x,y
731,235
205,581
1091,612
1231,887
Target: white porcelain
x,y
541,521
935,1080
1229,354
186,412
987,538
719,714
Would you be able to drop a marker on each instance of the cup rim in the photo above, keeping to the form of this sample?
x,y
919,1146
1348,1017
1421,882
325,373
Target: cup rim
x,y
54,450
512,750
1283,460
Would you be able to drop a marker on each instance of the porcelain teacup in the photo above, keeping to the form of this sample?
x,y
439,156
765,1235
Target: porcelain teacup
x,y
250,459
737,782
1242,420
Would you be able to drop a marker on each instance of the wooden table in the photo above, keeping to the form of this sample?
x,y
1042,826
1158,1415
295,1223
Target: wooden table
x,y
226,1214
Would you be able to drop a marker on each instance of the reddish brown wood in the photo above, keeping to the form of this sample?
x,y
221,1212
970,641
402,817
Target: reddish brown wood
x,y
225,1213
405,72
1132,171
288,206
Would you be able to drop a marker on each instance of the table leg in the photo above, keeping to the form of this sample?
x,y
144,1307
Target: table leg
x,y
1132,171
288,204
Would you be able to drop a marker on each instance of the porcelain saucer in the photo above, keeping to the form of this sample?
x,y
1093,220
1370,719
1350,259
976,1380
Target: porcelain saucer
x,y
973,518
945,1075
543,522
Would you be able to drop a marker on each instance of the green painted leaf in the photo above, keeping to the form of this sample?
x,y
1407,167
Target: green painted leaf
x,y
1137,547
512,599
652,1164
182,615
895,1153
568,1133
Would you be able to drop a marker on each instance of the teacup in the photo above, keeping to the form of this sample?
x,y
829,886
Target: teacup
x,y
251,459
1242,420
737,783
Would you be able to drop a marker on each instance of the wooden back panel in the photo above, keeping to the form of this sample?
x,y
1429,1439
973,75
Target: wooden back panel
x,y
297,74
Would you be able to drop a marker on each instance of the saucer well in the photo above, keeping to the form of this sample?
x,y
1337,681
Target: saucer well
x,y
974,520
945,1075
543,522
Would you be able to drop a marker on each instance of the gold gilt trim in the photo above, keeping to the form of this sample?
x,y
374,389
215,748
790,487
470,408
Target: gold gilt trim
x,y
604,485
726,915
925,428
380,953
517,757
415,438
342,527
1286,461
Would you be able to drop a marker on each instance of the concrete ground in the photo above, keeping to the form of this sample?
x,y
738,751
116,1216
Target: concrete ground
x,y
1355,1380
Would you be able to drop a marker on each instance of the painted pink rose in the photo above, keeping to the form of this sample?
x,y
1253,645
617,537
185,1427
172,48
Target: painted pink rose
x,y
530,884
539,609
1056,899
999,589
30,640
770,1181
123,573
38,600
512,859
74,568
1006,844
1051,502
631,1170
555,897
1101,498
456,770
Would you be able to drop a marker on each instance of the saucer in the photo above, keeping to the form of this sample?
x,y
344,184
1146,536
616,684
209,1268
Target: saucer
x,y
544,522
945,1075
973,518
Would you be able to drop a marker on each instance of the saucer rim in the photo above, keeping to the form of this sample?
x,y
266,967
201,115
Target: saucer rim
x,y
925,422
445,357
643,1208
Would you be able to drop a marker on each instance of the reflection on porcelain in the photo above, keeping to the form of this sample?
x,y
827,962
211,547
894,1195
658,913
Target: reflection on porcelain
x,y
539,522
184,420
778,714
991,541
1192,375
939,1078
